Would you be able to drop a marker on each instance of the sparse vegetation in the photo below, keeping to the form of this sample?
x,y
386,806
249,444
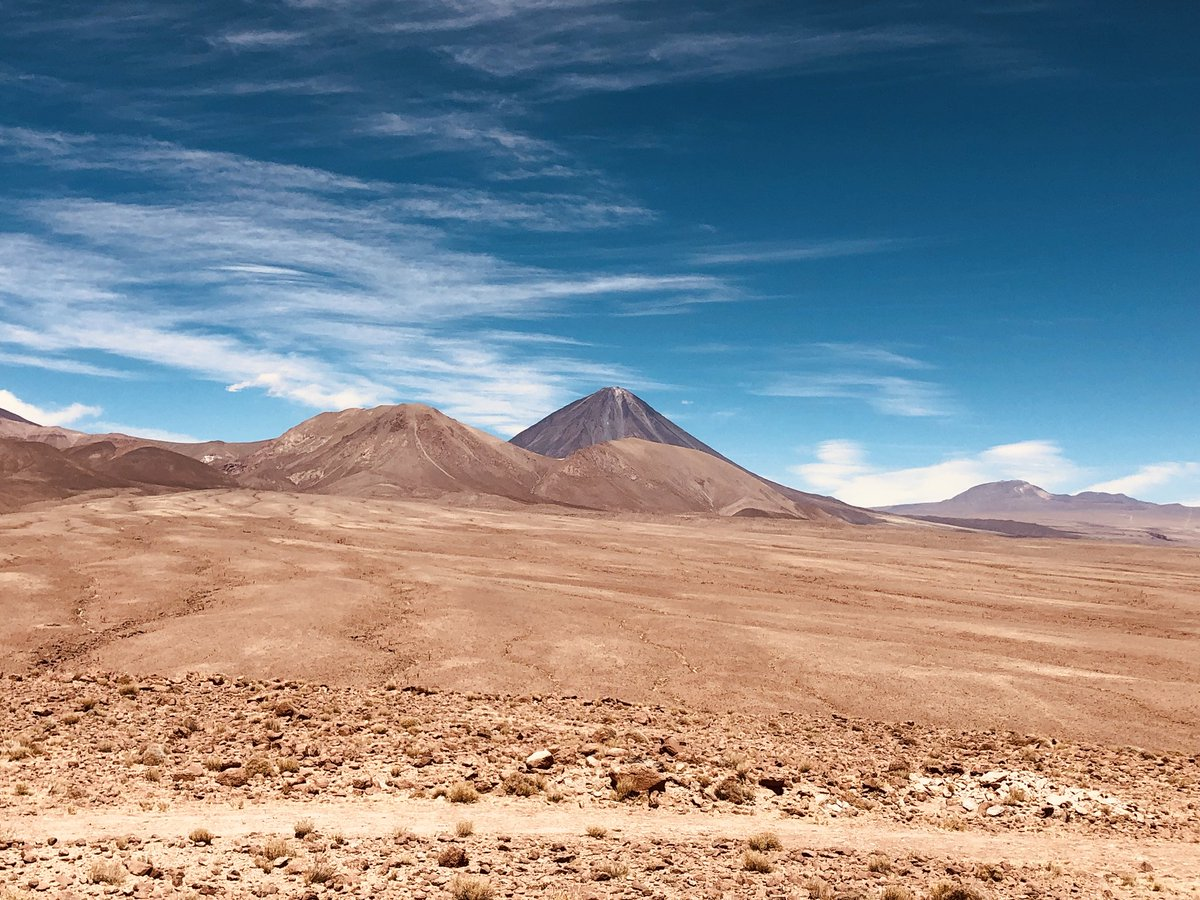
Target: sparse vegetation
x,y
471,887
452,857
754,861
879,864
106,871
522,785
303,828
464,828
609,869
765,840
597,831
948,890
320,872
201,836
896,892
819,889
462,792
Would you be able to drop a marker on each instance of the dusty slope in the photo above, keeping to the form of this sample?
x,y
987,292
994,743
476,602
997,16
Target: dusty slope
x,y
148,465
641,476
1070,638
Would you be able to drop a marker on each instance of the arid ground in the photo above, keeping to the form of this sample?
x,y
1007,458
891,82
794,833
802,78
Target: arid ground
x,y
904,708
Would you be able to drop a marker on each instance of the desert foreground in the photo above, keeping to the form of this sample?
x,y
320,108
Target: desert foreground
x,y
235,693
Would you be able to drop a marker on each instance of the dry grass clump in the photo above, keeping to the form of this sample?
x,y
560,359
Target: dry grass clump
x,y
753,861
896,892
258,765
201,836
609,870
626,787
471,887
819,889
288,764
106,871
153,755
948,890
275,848
462,792
320,872
597,831
877,862
735,789
522,785
452,858
303,828
465,828
765,840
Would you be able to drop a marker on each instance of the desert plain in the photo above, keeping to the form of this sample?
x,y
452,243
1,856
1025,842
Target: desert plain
x,y
243,693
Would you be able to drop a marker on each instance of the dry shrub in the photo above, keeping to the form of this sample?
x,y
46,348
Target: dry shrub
x,y
275,848
819,889
947,890
471,887
320,872
735,790
288,764
896,892
597,831
766,840
609,870
303,828
877,862
522,785
106,871
465,828
753,861
462,792
258,765
201,836
452,858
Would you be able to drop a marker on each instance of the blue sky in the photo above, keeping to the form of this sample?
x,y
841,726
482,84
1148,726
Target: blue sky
x,y
884,253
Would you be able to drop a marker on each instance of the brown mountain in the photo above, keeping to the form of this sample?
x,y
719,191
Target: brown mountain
x,y
410,450
614,413
33,471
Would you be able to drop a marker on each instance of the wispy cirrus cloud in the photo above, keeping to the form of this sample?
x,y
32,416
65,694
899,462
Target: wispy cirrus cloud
x,y
890,394
327,290
741,254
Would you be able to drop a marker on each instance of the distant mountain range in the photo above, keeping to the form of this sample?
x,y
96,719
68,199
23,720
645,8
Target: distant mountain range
x,y
608,451
1090,512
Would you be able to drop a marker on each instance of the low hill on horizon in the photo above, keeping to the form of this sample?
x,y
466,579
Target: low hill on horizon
x,y
1091,513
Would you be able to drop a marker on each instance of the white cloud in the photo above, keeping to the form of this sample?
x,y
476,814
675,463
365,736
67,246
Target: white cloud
x,y
65,415
842,469
1147,477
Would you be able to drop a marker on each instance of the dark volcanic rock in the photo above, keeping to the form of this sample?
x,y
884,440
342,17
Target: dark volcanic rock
x,y
610,414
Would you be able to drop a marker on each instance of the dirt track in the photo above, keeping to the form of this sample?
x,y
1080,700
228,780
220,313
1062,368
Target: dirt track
x,y
1089,640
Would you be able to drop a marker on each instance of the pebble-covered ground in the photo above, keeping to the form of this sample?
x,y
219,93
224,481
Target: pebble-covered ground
x,y
76,747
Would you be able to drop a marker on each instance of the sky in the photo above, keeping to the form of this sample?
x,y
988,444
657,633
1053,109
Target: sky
x,y
883,251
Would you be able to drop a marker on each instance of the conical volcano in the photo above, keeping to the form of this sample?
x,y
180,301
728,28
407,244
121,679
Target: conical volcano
x,y
610,414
